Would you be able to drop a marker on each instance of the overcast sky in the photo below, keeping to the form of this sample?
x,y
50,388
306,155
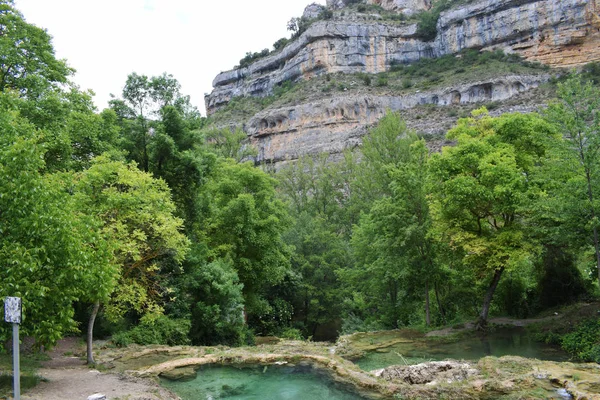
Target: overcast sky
x,y
105,40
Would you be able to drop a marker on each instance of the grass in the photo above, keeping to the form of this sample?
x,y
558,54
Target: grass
x,y
29,366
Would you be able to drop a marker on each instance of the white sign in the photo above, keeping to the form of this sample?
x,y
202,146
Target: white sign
x,y
12,310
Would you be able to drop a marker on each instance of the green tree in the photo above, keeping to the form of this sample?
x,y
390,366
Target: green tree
x,y
576,115
230,144
243,222
52,253
142,104
28,65
395,255
480,189
317,193
217,304
137,214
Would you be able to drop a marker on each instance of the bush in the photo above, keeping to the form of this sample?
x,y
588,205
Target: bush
x,y
584,342
326,14
217,305
251,57
163,330
591,72
353,323
382,80
281,43
427,25
292,334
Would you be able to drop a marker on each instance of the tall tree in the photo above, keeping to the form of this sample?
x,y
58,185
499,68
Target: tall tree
x,y
52,253
395,255
137,213
576,115
316,192
480,188
243,222
28,65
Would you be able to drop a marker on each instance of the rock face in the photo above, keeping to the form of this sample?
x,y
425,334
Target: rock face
x,y
313,11
408,7
555,32
336,4
559,33
334,124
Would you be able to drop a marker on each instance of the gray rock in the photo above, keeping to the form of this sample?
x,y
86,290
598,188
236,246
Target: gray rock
x,y
336,4
435,371
557,32
313,11
334,124
408,7
180,374
97,396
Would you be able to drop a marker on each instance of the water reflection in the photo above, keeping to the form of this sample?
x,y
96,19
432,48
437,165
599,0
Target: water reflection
x,y
502,342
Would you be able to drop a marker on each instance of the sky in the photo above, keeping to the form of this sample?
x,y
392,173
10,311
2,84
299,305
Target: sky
x,y
194,40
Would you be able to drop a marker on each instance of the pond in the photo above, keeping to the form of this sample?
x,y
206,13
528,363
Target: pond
x,y
502,342
264,382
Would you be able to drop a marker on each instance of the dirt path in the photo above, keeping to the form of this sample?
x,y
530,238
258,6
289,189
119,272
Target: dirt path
x,y
68,378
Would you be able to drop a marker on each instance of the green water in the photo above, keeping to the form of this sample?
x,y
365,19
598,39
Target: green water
x,y
514,341
272,383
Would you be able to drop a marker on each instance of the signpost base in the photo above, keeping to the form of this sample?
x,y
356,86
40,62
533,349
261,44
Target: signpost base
x,y
16,367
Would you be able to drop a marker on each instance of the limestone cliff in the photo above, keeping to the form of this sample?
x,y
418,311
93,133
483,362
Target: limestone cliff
x,y
558,33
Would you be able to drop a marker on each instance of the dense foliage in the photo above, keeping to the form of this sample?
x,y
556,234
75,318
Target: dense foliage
x,y
164,228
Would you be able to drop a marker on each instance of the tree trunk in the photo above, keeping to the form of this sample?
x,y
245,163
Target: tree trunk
x,y
427,311
439,303
487,301
90,333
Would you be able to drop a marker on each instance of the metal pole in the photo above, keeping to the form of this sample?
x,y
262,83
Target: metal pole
x,y
16,367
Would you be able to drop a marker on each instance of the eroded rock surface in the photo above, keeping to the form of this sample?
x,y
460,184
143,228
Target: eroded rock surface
x,y
334,124
559,33
431,372
555,32
408,7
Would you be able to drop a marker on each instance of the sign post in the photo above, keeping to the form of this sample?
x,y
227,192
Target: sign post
x,y
12,314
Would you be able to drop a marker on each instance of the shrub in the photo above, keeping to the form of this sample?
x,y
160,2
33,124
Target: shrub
x,y
366,79
292,334
326,14
217,305
427,25
584,342
251,57
162,330
281,43
591,72
382,80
